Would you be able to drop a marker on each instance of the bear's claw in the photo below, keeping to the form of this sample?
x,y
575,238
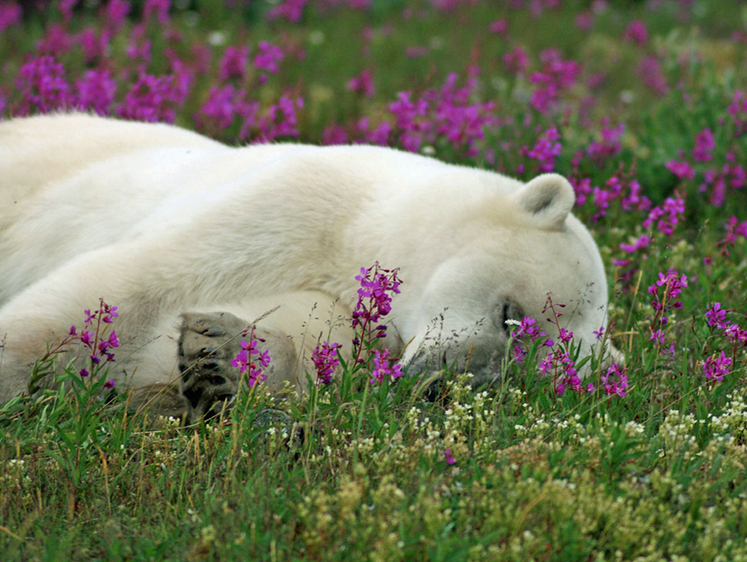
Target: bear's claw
x,y
207,344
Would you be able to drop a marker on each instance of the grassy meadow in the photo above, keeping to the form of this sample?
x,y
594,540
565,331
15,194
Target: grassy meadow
x,y
641,104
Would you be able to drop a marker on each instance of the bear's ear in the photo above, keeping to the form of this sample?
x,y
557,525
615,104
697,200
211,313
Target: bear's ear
x,y
549,198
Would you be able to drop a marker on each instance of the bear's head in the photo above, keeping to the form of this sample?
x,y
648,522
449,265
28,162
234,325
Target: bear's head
x,y
513,253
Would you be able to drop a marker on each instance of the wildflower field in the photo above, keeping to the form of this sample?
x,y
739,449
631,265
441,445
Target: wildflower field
x,y
642,104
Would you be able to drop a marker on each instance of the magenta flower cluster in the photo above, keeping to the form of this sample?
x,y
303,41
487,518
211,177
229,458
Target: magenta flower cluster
x,y
384,367
544,152
377,285
97,338
665,293
437,116
716,179
556,76
374,300
615,381
718,364
326,361
247,363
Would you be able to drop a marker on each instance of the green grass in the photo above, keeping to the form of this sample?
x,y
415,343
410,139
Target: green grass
x,y
359,472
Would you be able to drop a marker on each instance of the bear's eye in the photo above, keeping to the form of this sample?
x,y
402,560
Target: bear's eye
x,y
508,310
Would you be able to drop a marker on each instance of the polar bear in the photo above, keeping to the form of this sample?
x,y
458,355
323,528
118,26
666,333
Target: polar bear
x,y
189,236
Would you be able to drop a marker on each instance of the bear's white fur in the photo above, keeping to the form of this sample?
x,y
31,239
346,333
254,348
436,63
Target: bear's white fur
x,y
161,221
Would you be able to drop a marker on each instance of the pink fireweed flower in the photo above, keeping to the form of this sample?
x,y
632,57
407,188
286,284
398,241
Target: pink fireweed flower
x,y
636,32
362,84
641,243
116,14
682,170
545,151
498,26
234,63
42,86
56,41
247,364
10,15
94,336
665,291
738,112
280,120
292,10
584,21
382,367
667,216
325,360
704,144
609,146
716,316
615,381
268,59
734,229
335,134
153,99
157,8
565,335
650,72
516,61
528,330
375,298
716,367
95,91
448,457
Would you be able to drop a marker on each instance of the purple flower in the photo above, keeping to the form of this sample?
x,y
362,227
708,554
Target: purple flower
x,y
116,14
86,337
325,360
682,170
374,299
159,8
716,316
383,368
615,381
636,32
704,145
292,10
666,216
650,72
234,63
152,99
498,26
733,230
641,243
672,283
448,457
545,151
516,61
10,15
42,86
528,329
584,21
565,335
716,367
268,59
362,84
95,91
246,363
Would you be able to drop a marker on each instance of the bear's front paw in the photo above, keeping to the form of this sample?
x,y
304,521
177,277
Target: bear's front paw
x,y
207,344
